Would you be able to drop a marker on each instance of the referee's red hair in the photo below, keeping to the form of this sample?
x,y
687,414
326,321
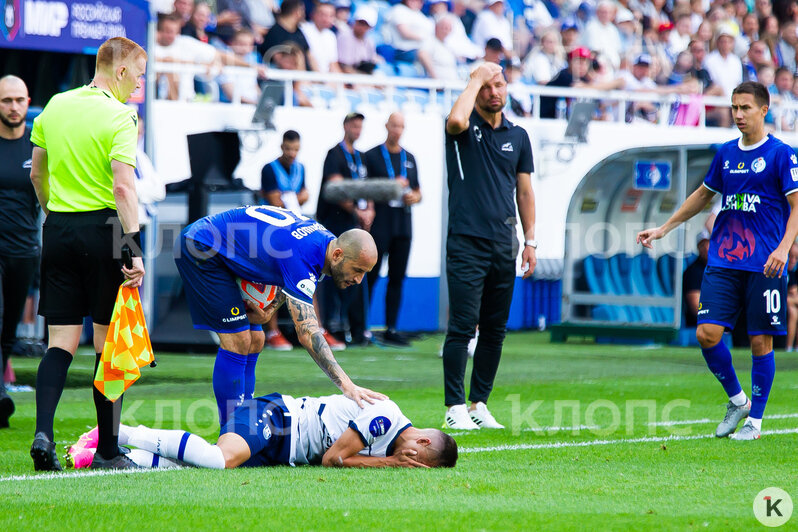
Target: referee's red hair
x,y
117,51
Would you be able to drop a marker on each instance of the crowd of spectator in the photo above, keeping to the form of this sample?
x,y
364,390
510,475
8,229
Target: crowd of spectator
x,y
682,46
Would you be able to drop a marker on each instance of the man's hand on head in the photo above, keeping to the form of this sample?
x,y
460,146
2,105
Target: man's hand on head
x,y
485,72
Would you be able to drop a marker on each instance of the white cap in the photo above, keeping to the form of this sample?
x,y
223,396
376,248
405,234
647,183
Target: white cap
x,y
491,2
624,15
367,14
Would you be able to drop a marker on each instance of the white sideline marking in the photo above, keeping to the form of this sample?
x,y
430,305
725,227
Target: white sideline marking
x,y
705,420
83,474
557,445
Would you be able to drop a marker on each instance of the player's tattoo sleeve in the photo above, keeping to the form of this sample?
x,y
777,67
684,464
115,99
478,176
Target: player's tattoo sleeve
x,y
311,336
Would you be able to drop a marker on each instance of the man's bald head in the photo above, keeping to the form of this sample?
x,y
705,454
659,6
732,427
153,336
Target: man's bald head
x,y
13,102
354,254
357,243
395,126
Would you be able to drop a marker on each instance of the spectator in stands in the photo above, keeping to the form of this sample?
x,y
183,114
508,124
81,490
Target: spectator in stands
x,y
184,8
757,58
576,74
170,46
705,32
283,185
723,66
570,36
681,35
321,40
697,12
682,69
691,280
442,59
792,298
698,49
630,32
749,32
494,53
639,79
655,12
285,30
408,30
492,24
787,46
244,83
763,8
356,51
546,59
289,56
465,10
197,24
458,41
236,14
601,33
343,11
519,101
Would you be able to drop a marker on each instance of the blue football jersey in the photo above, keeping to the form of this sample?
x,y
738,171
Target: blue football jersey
x,y
268,245
753,182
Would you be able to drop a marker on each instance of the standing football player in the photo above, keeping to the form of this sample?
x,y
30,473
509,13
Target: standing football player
x,y
756,176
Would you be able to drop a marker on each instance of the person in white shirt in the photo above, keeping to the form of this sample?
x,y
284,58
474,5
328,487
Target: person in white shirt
x,y
457,41
276,429
321,40
492,24
244,83
601,33
749,32
681,36
725,68
408,29
442,59
356,49
546,59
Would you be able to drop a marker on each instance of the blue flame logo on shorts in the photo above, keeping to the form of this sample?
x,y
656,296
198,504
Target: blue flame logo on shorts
x,y
379,426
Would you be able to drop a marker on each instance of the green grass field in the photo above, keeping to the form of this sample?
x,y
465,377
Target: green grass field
x,y
603,470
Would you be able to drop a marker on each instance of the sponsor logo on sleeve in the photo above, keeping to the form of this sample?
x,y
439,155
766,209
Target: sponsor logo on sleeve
x,y
379,426
307,287
794,174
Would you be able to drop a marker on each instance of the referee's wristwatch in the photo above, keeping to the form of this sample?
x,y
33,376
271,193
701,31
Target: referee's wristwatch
x,y
531,243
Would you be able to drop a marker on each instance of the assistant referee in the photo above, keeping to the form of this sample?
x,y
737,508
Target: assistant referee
x,y
488,160
84,158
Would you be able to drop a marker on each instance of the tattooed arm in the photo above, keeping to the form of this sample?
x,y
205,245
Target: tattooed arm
x,y
311,337
259,316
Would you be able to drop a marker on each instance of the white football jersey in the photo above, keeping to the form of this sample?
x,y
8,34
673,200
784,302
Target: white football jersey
x,y
318,422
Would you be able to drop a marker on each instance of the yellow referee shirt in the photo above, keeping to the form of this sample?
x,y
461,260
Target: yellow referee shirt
x,y
82,131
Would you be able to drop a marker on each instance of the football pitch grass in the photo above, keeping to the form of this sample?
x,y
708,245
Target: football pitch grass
x,y
599,437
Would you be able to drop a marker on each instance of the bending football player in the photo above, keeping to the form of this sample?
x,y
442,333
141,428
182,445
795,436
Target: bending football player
x,y
282,430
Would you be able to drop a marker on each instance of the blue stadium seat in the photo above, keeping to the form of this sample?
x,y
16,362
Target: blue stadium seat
x,y
597,274
408,70
665,265
621,275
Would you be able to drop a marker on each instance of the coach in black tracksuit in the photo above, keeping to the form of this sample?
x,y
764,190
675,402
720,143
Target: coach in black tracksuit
x,y
488,160
393,224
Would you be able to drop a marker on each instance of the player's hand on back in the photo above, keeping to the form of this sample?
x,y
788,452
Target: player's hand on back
x,y
135,274
775,263
362,395
407,458
647,236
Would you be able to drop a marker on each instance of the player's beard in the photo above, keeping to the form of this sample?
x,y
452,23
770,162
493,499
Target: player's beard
x,y
339,278
492,108
9,124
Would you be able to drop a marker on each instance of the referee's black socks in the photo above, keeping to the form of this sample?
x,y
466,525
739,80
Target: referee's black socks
x,y
50,380
108,415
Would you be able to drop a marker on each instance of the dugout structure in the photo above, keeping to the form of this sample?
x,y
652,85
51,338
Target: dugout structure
x,y
612,287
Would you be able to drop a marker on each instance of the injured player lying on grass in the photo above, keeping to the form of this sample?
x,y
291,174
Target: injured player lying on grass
x,y
282,430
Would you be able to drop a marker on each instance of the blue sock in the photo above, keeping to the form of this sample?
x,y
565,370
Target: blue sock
x,y
228,382
762,371
719,360
249,376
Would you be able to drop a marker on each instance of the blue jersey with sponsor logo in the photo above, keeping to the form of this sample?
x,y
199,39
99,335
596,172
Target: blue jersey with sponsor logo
x,y
753,182
268,245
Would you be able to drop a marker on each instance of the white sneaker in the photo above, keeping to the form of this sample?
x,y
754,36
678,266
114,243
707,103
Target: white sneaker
x,y
482,417
457,418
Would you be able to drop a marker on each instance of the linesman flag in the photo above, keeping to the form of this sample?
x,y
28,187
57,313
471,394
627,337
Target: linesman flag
x,y
127,346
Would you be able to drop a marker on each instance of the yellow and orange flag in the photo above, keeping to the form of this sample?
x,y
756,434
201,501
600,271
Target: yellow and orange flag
x,y
127,346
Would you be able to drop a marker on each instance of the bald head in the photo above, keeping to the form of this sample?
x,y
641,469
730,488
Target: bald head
x,y
357,243
352,255
13,106
395,127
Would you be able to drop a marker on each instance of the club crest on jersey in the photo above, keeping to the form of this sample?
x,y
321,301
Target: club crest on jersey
x,y
478,133
794,159
379,426
507,146
28,164
758,165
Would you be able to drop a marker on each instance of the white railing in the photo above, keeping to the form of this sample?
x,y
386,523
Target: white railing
x,y
441,94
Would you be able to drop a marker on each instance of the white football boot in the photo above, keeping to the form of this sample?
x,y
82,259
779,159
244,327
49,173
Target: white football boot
x,y
483,418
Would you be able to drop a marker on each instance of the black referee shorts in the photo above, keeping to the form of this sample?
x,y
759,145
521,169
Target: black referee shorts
x,y
79,275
